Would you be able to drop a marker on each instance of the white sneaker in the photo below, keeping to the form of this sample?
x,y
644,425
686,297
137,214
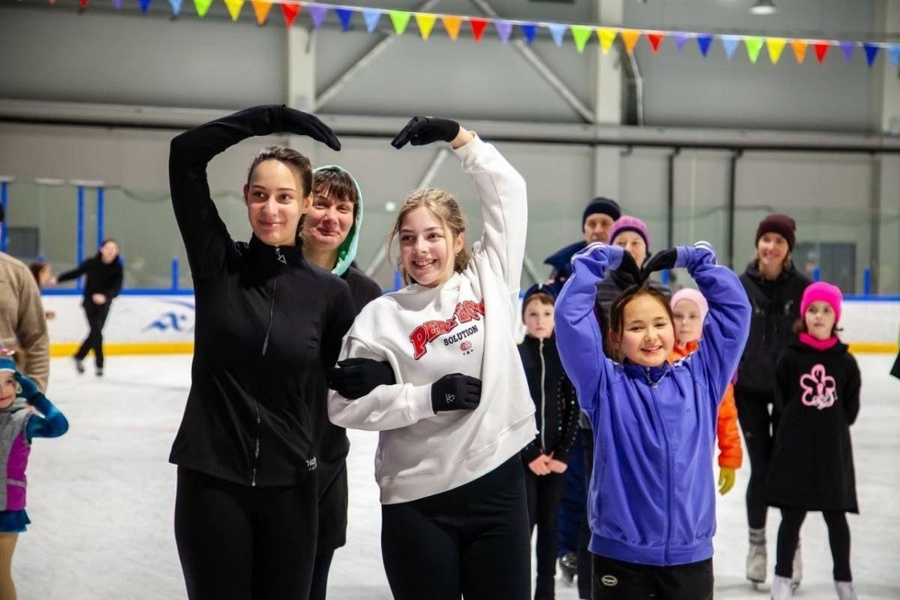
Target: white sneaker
x,y
781,588
845,590
756,563
797,568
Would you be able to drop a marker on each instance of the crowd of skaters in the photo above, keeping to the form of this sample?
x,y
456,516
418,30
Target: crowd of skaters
x,y
293,344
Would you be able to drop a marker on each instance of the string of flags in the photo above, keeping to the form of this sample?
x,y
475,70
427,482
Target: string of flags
x,y
580,34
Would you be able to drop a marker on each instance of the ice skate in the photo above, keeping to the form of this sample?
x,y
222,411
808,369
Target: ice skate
x,y
845,590
568,567
756,564
797,569
79,365
781,588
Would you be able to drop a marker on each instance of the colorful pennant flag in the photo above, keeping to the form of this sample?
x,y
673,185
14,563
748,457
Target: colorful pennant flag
x,y
529,30
730,43
821,49
871,53
371,16
426,24
290,10
895,55
234,8
799,48
504,30
452,25
175,4
754,45
847,48
344,15
581,34
655,38
400,19
83,3
704,42
117,4
202,7
607,37
145,4
261,9
557,32
318,13
478,26
630,38
681,40
775,47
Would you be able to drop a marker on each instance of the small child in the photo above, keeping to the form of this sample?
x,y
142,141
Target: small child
x,y
43,276
19,399
817,388
556,411
689,308
652,500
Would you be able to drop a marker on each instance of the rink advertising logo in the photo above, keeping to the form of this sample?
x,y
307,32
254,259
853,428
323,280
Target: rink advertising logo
x,y
180,320
429,331
609,581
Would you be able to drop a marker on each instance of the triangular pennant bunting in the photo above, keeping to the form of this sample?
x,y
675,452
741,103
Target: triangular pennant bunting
x,y
655,38
317,13
290,10
871,53
452,25
821,49
400,20
83,3
202,7
581,34
478,26
234,8
754,45
557,31
775,47
681,40
144,4
607,37
630,38
371,16
847,49
704,42
730,43
895,55
344,15
529,30
504,30
261,9
117,4
426,24
799,48
175,4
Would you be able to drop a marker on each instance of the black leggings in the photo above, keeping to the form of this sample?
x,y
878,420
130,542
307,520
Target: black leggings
x,y
96,317
759,429
838,537
620,580
238,542
471,541
544,495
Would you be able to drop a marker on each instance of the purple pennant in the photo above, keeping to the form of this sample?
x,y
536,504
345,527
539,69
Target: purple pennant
x,y
704,41
529,30
344,14
504,29
557,31
847,48
145,4
117,4
681,39
871,53
317,12
895,55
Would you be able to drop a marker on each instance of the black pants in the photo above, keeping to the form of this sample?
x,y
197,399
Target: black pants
x,y
471,541
838,537
585,559
544,495
238,542
96,317
322,566
629,581
759,427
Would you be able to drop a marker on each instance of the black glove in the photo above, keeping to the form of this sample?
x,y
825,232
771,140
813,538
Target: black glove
x,y
663,260
357,377
29,389
303,123
424,130
455,392
628,273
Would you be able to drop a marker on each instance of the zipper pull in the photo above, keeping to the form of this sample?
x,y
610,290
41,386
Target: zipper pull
x,y
280,256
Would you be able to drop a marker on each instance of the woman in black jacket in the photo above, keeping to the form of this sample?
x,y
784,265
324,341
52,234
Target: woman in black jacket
x,y
103,282
268,324
774,287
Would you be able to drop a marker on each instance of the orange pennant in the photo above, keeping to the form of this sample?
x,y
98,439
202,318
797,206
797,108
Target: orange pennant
x,y
799,47
261,9
655,38
630,38
452,25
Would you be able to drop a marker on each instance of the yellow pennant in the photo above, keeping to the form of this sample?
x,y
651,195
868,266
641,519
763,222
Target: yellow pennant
x,y
426,24
261,9
452,25
234,8
607,37
776,47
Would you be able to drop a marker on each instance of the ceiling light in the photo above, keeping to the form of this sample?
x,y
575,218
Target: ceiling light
x,y
764,7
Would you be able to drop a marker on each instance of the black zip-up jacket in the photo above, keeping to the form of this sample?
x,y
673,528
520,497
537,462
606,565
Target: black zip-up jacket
x,y
776,307
100,278
267,324
556,407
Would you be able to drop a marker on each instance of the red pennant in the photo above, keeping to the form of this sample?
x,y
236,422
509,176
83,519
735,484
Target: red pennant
x,y
478,27
821,49
290,11
655,40
83,3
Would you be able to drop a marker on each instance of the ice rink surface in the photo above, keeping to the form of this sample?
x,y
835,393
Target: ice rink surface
x,y
101,498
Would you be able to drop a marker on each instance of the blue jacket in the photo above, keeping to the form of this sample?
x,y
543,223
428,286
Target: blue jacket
x,y
652,494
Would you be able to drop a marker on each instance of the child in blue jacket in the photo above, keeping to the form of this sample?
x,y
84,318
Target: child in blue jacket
x,y
652,494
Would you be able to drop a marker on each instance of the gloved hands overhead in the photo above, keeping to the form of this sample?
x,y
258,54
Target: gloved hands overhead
x,y
425,130
628,272
357,377
302,123
659,261
455,392
29,388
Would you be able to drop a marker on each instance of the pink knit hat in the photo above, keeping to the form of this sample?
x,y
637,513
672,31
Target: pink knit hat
x,y
626,223
822,292
695,297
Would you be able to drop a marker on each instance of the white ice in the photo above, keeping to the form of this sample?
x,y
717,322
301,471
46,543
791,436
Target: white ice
x,y
101,498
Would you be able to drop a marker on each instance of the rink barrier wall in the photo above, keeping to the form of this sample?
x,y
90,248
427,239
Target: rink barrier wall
x,y
163,323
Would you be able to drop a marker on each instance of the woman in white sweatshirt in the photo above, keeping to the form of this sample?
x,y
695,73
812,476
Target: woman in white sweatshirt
x,y
453,410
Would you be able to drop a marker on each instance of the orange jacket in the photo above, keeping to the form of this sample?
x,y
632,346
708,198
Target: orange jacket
x,y
730,453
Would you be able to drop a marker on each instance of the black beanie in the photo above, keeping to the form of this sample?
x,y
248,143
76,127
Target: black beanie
x,y
538,288
783,225
601,205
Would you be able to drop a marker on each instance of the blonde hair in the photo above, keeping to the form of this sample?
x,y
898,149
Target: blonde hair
x,y
446,210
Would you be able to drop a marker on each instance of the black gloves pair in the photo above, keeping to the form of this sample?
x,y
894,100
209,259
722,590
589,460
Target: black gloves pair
x,y
357,377
418,131
629,273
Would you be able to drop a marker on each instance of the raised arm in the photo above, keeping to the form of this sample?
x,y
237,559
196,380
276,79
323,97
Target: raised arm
x,y
578,336
51,423
74,273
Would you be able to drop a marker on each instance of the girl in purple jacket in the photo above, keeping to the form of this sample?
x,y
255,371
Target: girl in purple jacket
x,y
25,413
652,496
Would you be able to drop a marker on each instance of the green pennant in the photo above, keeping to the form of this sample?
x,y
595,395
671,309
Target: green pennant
x,y
754,45
400,19
581,34
202,7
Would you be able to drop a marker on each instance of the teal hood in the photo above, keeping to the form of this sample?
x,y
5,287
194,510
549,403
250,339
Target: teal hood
x,y
347,249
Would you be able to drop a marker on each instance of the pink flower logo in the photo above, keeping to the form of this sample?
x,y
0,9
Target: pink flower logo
x,y
818,388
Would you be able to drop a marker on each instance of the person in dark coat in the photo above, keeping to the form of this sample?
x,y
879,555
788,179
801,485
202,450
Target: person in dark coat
x,y
817,390
269,324
103,282
774,287
895,370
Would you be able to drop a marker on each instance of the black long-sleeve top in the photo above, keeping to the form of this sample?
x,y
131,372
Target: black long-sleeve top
x,y
100,277
267,324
